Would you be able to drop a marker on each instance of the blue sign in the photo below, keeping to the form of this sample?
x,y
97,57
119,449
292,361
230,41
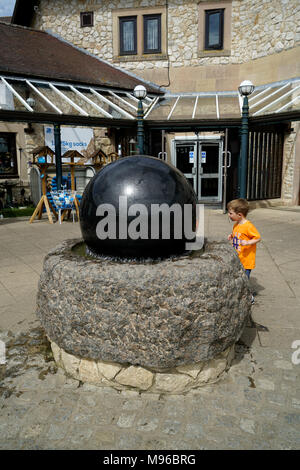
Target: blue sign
x,y
72,138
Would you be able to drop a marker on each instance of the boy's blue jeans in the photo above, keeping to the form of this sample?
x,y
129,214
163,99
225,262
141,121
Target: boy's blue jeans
x,y
248,272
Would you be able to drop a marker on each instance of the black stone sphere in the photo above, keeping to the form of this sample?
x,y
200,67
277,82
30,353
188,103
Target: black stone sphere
x,y
139,180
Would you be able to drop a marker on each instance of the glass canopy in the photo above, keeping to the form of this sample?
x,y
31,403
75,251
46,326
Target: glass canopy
x,y
268,99
76,100
66,99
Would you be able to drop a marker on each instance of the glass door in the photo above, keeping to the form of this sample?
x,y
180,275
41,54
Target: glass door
x,y
210,171
186,161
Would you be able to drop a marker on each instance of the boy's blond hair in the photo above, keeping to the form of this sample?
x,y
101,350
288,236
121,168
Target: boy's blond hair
x,y
239,206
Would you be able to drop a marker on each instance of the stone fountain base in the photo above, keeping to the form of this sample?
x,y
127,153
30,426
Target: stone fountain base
x,y
179,379
165,326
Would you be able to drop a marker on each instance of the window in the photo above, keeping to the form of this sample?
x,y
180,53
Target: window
x,y
214,28
152,34
139,34
128,37
86,19
8,158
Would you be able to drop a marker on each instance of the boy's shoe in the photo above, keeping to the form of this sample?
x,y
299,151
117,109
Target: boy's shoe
x,y
252,299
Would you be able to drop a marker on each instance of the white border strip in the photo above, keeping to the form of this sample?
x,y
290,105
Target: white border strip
x,y
84,113
269,96
96,106
276,101
110,103
131,96
259,94
288,104
174,106
44,97
195,107
217,106
151,106
17,95
123,101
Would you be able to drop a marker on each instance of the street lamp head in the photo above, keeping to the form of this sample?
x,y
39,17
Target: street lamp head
x,y
246,88
140,92
31,102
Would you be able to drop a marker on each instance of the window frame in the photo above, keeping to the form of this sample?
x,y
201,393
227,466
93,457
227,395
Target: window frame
x,y
220,44
82,14
227,33
147,17
122,20
140,55
11,137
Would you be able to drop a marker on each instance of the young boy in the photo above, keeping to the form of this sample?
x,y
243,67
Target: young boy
x,y
244,235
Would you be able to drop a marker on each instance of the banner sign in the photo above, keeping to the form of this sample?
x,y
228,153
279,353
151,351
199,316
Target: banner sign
x,y
72,138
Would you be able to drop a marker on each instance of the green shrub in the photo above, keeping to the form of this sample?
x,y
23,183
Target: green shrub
x,y
16,212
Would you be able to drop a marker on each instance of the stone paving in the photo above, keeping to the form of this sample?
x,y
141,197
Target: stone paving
x,y
255,406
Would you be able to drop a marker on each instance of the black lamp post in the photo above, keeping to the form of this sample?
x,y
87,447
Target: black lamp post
x,y
245,89
57,143
140,93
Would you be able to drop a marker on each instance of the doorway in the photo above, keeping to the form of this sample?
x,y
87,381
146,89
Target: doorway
x,y
200,160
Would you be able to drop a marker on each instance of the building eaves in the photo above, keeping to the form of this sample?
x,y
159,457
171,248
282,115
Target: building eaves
x,y
5,19
34,53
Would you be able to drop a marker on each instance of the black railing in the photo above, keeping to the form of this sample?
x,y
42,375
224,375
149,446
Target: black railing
x,y
264,165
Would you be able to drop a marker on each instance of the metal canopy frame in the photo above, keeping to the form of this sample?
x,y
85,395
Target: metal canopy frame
x,y
109,107
267,97
113,99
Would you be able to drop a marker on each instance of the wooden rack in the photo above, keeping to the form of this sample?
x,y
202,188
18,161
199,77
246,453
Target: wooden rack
x,y
72,154
99,159
43,153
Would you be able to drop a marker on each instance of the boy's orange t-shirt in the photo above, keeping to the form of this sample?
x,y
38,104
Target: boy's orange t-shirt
x,y
245,231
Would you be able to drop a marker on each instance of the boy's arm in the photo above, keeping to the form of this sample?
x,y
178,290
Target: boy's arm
x,y
250,242
253,234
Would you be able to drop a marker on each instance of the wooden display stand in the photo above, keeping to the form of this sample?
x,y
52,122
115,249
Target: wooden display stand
x,y
72,154
99,158
43,152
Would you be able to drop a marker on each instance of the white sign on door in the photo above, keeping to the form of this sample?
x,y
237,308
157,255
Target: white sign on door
x,y
72,138
191,157
203,157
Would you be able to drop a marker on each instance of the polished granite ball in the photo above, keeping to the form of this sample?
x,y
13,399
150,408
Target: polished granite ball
x,y
121,212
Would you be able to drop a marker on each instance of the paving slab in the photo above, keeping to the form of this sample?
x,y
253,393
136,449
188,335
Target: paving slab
x,y
256,405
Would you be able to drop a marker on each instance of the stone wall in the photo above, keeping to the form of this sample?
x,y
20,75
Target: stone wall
x,y
259,28
22,159
176,380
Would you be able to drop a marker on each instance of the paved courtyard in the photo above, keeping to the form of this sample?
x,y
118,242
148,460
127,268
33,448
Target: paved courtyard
x,y
255,406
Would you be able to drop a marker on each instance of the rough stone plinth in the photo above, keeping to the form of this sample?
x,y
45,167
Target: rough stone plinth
x,y
175,380
172,313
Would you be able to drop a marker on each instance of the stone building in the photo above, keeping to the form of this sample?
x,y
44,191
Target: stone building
x,y
60,88
198,53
